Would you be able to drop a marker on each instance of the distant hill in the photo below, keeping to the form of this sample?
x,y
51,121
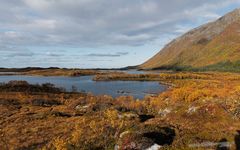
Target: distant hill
x,y
213,46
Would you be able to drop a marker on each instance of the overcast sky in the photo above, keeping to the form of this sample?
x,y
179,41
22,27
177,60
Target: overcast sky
x,y
96,33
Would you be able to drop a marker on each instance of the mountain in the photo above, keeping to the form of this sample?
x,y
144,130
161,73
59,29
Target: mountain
x,y
213,46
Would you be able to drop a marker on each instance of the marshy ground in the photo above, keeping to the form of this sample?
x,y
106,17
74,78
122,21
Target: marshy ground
x,y
198,111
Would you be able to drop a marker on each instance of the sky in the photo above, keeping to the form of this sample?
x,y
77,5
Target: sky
x,y
96,33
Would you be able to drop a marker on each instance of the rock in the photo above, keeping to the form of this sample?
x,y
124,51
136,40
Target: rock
x,y
163,137
144,118
154,147
149,138
116,147
192,110
236,112
164,112
60,114
44,103
132,140
128,115
82,109
101,106
9,102
124,133
122,109
79,107
93,107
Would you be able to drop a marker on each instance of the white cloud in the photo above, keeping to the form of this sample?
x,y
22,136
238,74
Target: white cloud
x,y
12,34
102,22
44,23
99,23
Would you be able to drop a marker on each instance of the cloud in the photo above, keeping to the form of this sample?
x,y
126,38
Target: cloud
x,y
101,60
122,53
93,22
21,54
117,54
38,25
53,54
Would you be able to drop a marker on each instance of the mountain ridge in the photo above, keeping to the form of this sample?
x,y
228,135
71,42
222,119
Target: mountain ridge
x,y
207,45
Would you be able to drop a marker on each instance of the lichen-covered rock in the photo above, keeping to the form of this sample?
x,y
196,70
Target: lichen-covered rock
x,y
150,137
164,112
133,141
44,102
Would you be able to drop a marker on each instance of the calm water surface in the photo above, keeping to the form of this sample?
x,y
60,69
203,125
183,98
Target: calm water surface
x,y
137,89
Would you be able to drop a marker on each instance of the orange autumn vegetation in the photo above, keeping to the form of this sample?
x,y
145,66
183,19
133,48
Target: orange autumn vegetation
x,y
197,108
203,48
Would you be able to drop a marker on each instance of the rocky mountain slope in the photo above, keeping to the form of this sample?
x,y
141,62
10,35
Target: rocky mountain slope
x,y
213,46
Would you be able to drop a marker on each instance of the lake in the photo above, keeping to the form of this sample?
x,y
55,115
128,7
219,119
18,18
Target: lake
x,y
138,89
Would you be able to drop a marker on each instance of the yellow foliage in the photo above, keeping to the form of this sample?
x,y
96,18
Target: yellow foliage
x,y
59,144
